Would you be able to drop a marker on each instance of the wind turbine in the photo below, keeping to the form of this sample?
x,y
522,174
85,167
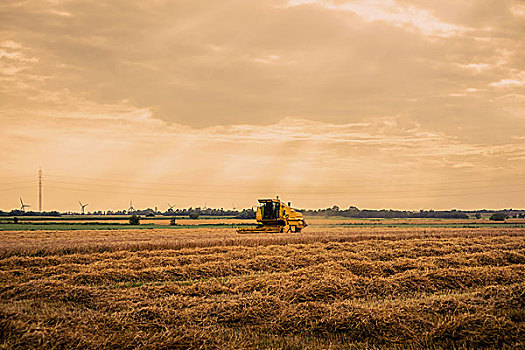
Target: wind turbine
x,y
23,206
173,221
131,209
82,206
233,206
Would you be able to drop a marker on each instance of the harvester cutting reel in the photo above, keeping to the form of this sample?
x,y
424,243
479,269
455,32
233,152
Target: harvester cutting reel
x,y
269,229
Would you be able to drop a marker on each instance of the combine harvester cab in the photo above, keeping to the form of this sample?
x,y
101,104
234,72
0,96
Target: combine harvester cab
x,y
274,216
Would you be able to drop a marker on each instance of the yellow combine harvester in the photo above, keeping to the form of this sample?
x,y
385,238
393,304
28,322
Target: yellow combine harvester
x,y
274,216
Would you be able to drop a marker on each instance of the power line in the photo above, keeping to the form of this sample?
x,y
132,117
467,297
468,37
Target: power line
x,y
270,187
128,193
16,182
17,177
451,195
279,188
298,196
16,188
237,185
334,192
338,187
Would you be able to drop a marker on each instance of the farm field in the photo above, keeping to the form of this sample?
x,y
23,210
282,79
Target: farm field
x,y
334,287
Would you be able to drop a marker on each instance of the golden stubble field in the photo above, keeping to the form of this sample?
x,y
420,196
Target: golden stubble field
x,y
338,288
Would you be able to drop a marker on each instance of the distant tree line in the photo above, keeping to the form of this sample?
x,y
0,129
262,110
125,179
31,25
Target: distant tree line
x,y
196,212
193,212
354,212
18,212
351,212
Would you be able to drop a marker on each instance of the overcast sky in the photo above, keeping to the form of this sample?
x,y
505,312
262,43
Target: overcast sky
x,y
378,104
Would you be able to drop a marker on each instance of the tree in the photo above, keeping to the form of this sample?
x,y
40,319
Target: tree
x,y
498,216
246,214
134,219
478,216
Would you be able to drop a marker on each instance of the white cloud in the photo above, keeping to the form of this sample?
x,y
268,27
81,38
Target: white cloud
x,y
14,59
10,44
267,59
60,13
518,10
478,67
508,82
409,17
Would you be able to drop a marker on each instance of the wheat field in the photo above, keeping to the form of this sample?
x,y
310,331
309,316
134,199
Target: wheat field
x,y
332,288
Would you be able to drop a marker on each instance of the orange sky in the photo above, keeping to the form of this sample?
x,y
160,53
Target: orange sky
x,y
378,104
